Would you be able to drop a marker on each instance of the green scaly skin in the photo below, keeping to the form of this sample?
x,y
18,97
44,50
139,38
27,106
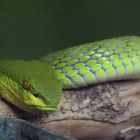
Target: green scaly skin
x,y
92,63
45,92
79,66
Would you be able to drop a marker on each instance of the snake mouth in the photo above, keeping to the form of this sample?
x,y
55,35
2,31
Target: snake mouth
x,y
40,104
39,109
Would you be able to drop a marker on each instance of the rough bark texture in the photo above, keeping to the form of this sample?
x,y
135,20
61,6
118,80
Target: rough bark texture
x,y
89,113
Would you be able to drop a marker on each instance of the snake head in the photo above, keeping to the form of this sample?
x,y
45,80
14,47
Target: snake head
x,y
30,85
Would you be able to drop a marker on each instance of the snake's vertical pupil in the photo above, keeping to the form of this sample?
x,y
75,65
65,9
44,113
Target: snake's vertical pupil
x,y
26,85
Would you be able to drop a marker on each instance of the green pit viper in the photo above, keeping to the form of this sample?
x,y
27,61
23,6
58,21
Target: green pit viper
x,y
36,86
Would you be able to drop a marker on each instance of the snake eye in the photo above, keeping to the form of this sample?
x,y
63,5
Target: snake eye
x,y
26,85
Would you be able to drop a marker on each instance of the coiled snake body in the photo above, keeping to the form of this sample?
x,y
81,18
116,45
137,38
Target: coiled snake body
x,y
100,61
36,86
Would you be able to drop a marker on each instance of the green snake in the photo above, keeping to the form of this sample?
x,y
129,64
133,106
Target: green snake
x,y
36,86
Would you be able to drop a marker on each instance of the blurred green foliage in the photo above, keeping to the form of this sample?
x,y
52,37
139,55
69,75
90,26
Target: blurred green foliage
x,y
30,29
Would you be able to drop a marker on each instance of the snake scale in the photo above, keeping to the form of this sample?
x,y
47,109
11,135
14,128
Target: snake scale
x,y
100,61
36,86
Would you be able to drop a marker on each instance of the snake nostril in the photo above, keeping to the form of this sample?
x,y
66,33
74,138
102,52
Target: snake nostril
x,y
36,95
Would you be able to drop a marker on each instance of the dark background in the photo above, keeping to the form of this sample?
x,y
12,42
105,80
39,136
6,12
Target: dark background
x,y
29,28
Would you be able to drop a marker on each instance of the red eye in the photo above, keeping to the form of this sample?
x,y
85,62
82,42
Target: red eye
x,y
26,85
